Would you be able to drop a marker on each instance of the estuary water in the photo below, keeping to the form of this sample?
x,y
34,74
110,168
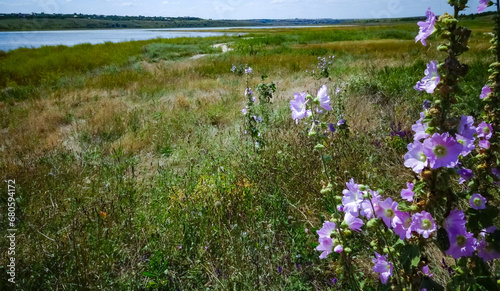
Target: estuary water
x,y
32,39
10,40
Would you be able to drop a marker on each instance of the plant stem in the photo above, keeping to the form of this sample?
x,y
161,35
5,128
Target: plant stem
x,y
346,257
391,256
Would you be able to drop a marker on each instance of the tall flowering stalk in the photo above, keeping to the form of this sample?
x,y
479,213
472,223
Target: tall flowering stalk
x,y
444,145
333,235
252,119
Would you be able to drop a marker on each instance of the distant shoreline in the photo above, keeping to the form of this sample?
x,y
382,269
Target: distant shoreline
x,y
36,23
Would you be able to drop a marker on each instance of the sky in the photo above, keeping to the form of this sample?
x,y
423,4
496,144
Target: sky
x,y
237,9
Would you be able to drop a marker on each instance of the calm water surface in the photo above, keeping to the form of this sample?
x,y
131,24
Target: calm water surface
x,y
15,39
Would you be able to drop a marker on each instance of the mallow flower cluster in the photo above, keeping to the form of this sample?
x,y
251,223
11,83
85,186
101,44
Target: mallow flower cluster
x,y
444,149
303,104
360,204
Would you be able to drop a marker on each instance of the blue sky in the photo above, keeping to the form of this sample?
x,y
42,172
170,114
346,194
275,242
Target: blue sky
x,y
237,9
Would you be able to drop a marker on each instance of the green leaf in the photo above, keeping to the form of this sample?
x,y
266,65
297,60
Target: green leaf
x,y
410,257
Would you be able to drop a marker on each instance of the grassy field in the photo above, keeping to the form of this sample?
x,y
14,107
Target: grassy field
x,y
133,170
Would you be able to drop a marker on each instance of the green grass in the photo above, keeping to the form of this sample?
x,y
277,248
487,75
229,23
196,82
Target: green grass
x,y
123,157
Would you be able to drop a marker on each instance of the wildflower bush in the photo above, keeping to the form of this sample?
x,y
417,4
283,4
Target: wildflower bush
x,y
433,209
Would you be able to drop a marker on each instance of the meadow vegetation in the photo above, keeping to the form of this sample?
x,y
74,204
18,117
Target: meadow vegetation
x,y
133,169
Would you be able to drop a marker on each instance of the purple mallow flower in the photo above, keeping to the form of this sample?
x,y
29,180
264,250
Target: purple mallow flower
x,y
427,104
462,244
485,92
431,79
244,111
298,106
415,158
366,206
485,144
484,130
352,198
423,223
465,174
420,128
426,271
468,144
426,27
487,252
325,241
477,201
496,172
383,267
331,127
387,212
483,4
324,99
248,70
442,150
341,122
352,222
403,225
407,194
327,230
455,222
466,127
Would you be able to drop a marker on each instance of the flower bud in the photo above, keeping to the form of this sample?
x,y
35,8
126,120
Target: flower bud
x,y
426,174
443,48
434,111
319,147
347,232
373,243
325,190
312,133
391,249
413,208
482,166
385,250
362,188
347,250
372,223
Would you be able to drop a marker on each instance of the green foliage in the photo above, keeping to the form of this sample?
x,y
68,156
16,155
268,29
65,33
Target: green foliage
x,y
170,52
410,257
